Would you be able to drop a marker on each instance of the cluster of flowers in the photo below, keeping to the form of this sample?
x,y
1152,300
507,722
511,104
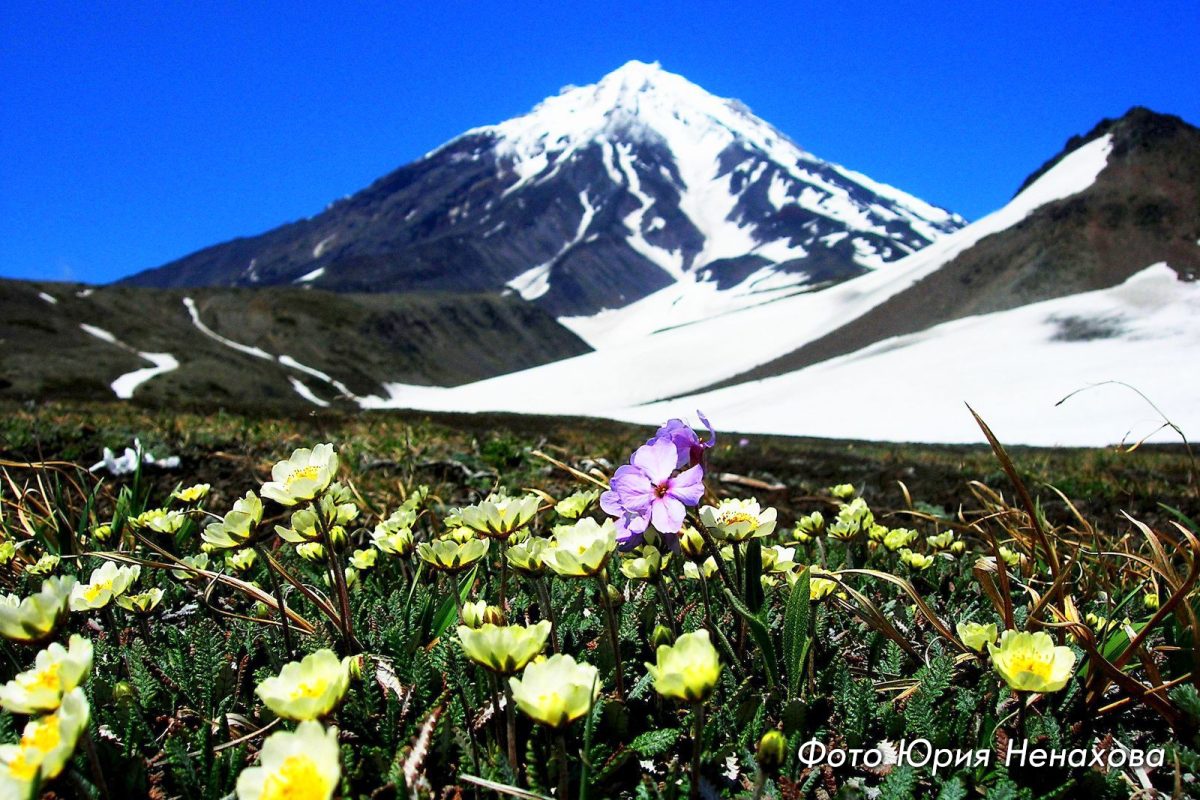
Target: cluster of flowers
x,y
50,693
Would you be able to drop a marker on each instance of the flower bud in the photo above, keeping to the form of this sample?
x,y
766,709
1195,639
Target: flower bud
x,y
358,666
691,543
102,533
494,615
1150,601
123,692
772,751
662,636
614,596
311,551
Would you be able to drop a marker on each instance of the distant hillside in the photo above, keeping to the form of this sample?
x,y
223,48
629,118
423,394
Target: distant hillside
x,y
285,347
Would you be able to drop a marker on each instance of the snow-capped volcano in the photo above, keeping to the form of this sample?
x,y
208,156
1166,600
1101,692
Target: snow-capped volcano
x,y
600,196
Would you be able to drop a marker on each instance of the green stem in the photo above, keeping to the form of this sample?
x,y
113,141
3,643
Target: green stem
x,y
511,719
277,590
339,581
697,749
564,768
613,634
717,631
668,606
543,593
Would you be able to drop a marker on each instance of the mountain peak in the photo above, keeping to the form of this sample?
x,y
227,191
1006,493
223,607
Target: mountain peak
x,y
1139,129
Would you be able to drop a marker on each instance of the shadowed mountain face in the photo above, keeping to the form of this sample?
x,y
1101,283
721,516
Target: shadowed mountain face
x,y
600,196
244,348
1142,209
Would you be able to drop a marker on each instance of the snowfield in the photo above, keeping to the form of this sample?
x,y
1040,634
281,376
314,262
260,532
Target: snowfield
x,y
1011,366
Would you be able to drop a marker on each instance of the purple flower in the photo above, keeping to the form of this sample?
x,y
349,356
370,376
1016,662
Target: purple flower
x,y
689,448
645,492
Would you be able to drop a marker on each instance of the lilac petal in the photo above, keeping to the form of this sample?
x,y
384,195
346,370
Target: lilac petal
x,y
656,459
712,434
667,515
633,488
610,502
630,530
688,486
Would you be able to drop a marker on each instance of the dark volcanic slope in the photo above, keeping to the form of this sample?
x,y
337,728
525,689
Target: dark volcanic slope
x,y
598,197
1144,208
359,341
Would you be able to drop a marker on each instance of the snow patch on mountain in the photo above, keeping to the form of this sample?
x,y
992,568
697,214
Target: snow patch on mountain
x,y
1011,366
125,385
690,335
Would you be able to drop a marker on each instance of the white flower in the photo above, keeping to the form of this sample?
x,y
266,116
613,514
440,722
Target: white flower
x,y
738,520
303,764
106,582
56,671
303,476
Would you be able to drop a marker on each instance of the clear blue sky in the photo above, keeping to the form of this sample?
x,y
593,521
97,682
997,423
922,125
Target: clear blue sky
x,y
134,133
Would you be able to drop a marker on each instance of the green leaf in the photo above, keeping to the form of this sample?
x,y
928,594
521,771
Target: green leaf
x,y
760,634
795,632
752,590
448,611
653,743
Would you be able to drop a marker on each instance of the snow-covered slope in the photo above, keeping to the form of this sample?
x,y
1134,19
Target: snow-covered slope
x,y
1011,366
595,199
640,359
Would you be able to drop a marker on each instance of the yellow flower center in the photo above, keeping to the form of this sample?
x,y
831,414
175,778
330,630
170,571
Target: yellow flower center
x,y
44,737
296,779
302,474
738,517
23,767
93,590
309,690
48,679
1031,663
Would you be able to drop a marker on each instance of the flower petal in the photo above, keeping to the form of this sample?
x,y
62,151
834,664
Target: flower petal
x,y
688,486
657,460
667,515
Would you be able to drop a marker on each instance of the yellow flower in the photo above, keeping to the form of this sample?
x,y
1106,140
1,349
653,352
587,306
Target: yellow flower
x,y
528,557
364,559
452,557
1150,601
778,559
976,636
1031,662
504,649
557,691
899,538
691,543
45,747
192,494
687,670
33,619
307,689
818,587
303,476
311,551
916,560
396,542
843,491
160,520
299,765
105,583
581,549
143,603
1010,558
808,526
499,516
645,565
238,525
572,507
199,561
56,671
852,519
241,560
691,570
940,542
738,520
958,547
8,551
472,613
304,527
45,565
